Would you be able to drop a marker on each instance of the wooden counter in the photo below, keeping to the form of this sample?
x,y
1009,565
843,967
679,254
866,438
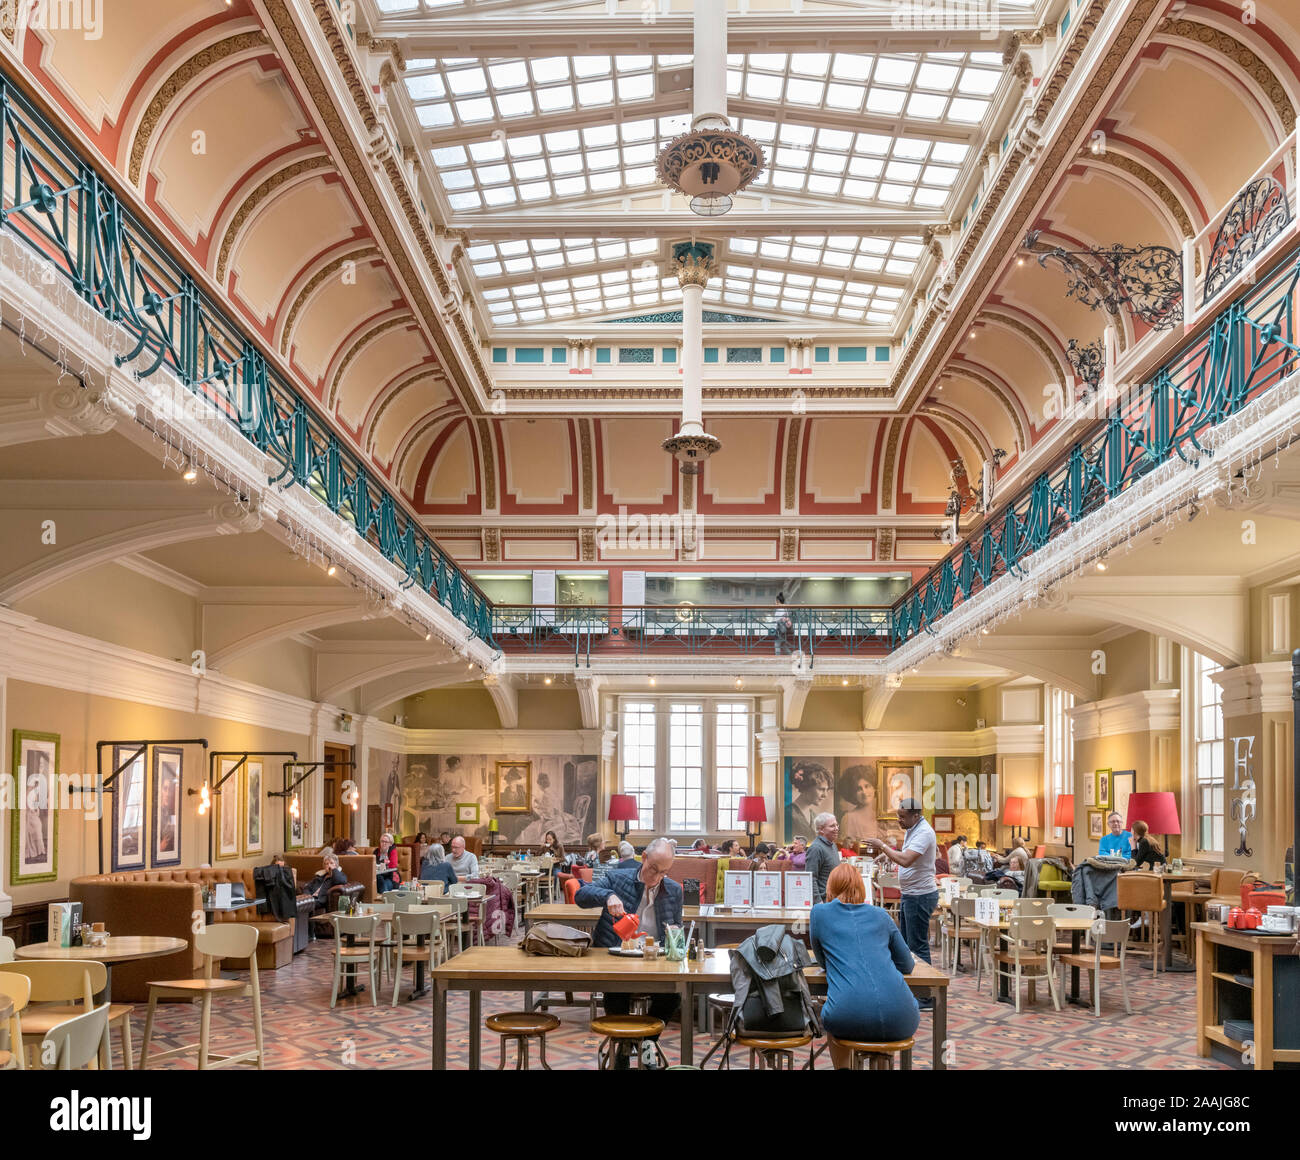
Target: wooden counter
x,y
1268,999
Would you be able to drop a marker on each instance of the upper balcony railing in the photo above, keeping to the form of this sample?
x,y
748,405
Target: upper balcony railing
x,y
717,629
1250,347
58,204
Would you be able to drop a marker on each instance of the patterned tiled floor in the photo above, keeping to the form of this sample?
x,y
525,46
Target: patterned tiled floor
x,y
302,1032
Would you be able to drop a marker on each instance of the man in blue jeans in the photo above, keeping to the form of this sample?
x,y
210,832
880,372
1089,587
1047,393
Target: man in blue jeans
x,y
916,882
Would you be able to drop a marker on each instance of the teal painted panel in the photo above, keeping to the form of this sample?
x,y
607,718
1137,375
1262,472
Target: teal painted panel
x,y
710,354
636,354
669,354
851,354
821,354
776,354
559,354
744,354
500,354
602,354
882,353
530,354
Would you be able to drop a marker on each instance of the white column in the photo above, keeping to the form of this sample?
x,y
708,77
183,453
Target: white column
x,y
587,344
710,70
692,358
6,903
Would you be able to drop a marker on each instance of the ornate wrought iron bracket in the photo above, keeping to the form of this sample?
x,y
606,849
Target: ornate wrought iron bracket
x,y
1258,214
1147,281
1088,362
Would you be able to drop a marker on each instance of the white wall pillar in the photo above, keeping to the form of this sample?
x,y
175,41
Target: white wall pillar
x,y
692,358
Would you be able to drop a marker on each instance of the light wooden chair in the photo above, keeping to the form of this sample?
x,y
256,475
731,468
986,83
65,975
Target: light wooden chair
x,y
7,948
1144,893
1031,906
1224,883
223,940
78,1042
1026,962
998,892
415,926
363,925
1112,931
891,905
1070,910
18,990
962,929
64,988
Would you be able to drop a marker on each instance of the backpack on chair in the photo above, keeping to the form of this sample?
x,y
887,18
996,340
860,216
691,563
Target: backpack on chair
x,y
772,996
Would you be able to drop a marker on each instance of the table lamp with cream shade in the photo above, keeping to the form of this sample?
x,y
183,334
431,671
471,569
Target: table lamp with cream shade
x,y
1159,809
622,808
752,808
1020,813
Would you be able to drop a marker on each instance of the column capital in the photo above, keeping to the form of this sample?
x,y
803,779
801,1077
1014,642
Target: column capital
x,y
694,263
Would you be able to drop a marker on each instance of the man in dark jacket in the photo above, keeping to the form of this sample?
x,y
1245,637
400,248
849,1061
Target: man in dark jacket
x,y
655,899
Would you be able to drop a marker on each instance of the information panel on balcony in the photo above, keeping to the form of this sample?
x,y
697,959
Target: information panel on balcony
x,y
544,595
633,588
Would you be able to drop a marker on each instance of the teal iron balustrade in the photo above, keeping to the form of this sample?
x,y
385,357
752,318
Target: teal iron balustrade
x,y
1250,347
60,207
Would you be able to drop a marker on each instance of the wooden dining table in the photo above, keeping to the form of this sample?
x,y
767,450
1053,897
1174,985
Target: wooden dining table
x,y
709,918
1168,881
480,969
119,949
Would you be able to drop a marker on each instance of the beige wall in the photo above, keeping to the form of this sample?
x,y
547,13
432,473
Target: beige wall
x,y
451,709
832,711
549,709
1128,666
1155,756
82,720
122,607
936,710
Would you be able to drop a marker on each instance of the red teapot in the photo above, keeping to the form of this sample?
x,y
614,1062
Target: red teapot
x,y
1235,916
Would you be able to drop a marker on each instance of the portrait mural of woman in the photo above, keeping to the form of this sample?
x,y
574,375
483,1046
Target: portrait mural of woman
x,y
808,786
857,803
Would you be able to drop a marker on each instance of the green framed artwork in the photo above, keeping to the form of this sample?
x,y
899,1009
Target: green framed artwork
x,y
34,825
1103,789
467,813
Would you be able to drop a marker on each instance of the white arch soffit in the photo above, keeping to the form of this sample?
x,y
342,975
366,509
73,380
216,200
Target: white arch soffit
x,y
391,668
326,618
1229,650
874,703
105,549
1017,662
432,678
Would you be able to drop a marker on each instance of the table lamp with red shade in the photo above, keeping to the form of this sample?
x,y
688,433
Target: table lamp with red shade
x,y
1063,819
752,808
622,808
1158,809
1020,813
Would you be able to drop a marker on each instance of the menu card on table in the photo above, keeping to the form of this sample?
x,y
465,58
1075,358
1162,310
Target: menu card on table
x,y
798,888
986,910
739,888
767,889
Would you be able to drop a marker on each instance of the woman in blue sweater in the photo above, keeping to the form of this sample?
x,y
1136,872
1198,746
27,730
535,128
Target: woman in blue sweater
x,y
866,960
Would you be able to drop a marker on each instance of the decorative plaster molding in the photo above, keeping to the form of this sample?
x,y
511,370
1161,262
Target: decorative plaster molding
x,y
1148,711
1258,688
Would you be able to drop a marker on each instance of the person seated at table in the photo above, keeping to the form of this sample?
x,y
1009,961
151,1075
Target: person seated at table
x,y
797,853
444,839
627,859
342,846
463,861
656,900
980,861
1145,850
731,848
956,855
765,855
700,846
1119,842
595,844
555,848
866,962
1014,871
319,884
386,877
436,868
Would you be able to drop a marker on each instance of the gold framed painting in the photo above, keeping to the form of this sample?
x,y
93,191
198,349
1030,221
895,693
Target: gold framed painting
x,y
514,787
251,803
225,812
34,818
1103,789
1096,826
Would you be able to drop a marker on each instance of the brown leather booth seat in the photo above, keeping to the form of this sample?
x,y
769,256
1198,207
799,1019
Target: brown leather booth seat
x,y
358,868
164,902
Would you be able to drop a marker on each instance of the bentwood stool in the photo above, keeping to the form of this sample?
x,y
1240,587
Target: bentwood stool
x,y
876,1056
775,1052
634,1030
521,1026
223,940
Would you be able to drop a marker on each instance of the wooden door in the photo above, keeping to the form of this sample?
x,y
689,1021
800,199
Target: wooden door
x,y
337,814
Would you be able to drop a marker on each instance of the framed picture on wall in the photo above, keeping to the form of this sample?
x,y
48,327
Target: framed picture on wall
x,y
129,801
1123,782
1103,789
898,780
467,813
1089,789
166,830
944,824
1095,825
251,831
225,812
34,820
514,793
295,828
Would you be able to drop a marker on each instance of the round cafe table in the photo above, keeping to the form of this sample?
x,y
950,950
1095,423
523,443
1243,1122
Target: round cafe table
x,y
120,949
